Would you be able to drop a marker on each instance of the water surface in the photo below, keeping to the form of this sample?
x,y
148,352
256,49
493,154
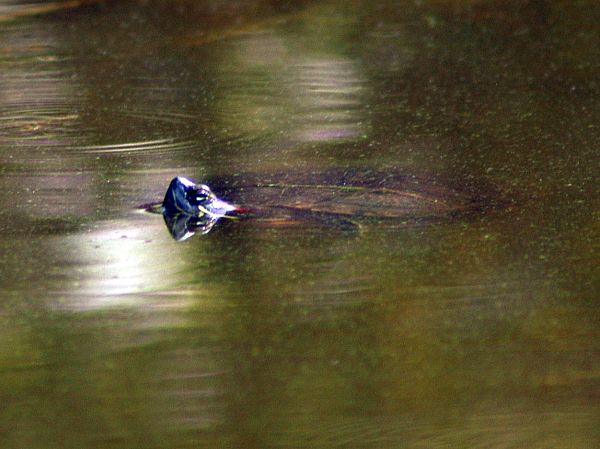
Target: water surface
x,y
478,333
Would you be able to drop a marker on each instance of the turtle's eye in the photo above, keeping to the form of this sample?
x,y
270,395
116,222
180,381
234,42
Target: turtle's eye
x,y
199,194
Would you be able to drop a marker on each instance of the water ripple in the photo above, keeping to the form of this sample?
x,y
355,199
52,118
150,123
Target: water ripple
x,y
151,146
49,112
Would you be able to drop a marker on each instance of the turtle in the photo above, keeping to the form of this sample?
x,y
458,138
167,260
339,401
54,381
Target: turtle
x,y
343,197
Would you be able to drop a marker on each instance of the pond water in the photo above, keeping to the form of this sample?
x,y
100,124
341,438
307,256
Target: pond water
x,y
470,333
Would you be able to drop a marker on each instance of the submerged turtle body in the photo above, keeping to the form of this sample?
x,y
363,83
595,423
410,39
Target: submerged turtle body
x,y
332,196
355,195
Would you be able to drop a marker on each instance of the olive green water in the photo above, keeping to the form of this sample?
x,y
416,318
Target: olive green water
x,y
478,333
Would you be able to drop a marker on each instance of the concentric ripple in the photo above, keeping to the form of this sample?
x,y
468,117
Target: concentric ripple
x,y
38,106
150,146
51,116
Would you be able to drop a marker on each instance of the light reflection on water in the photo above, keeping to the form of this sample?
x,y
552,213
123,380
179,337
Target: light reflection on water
x,y
330,98
289,97
474,333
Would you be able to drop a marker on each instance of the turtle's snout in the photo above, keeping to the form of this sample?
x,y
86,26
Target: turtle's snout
x,y
218,207
186,196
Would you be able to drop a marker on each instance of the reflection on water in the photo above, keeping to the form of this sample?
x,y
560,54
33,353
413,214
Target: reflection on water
x,y
289,96
476,333
113,259
330,100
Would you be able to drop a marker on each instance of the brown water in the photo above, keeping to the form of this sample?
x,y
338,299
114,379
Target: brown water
x,y
479,333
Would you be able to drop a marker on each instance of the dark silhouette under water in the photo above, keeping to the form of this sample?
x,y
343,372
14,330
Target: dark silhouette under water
x,y
343,198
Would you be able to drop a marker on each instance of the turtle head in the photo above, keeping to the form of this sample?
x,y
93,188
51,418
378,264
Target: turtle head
x,y
185,196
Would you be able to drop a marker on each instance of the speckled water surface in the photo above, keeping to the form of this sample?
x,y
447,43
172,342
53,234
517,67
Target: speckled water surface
x,y
474,332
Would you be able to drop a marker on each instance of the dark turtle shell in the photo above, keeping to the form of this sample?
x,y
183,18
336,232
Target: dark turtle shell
x,y
352,194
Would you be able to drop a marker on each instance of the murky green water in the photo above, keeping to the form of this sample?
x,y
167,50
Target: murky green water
x,y
478,333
